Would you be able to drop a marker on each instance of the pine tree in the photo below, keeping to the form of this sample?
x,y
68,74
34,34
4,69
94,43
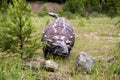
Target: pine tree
x,y
16,29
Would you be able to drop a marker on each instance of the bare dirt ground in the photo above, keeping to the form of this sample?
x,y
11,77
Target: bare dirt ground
x,y
36,6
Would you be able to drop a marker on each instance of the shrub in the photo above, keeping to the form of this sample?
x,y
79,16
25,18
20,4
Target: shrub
x,y
66,14
96,14
112,8
75,6
16,33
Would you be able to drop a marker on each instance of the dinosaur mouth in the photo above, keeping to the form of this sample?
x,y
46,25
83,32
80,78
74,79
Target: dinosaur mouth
x,y
65,54
59,53
58,50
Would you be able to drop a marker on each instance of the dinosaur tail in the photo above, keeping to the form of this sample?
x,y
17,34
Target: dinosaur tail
x,y
53,15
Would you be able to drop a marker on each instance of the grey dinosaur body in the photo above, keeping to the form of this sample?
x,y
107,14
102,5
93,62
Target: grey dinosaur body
x,y
60,37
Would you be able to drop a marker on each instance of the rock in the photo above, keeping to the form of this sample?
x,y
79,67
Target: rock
x,y
36,62
51,65
39,62
55,76
84,62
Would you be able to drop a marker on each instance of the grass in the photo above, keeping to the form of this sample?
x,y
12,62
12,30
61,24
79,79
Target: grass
x,y
95,36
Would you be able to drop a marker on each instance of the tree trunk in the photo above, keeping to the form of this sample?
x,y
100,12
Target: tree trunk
x,y
21,38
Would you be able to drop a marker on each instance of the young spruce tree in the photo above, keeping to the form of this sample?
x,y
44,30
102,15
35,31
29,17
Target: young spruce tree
x,y
16,33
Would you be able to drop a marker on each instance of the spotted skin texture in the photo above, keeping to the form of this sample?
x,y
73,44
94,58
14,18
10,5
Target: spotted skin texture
x,y
61,32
